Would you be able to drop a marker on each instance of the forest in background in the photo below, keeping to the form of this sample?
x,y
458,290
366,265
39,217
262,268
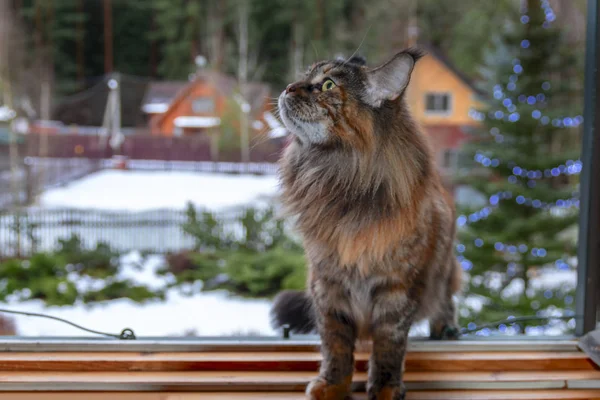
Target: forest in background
x,y
161,38
536,92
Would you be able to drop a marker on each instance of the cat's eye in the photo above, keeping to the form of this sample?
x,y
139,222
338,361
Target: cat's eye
x,y
327,85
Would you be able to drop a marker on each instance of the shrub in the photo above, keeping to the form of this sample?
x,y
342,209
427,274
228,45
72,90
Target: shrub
x,y
249,255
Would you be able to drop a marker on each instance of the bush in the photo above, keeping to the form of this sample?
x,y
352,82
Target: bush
x,y
250,255
53,277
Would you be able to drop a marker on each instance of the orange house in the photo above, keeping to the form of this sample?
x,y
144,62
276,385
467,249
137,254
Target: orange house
x,y
440,96
199,107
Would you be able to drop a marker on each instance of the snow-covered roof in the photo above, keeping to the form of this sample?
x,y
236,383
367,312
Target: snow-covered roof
x,y
159,95
155,108
197,122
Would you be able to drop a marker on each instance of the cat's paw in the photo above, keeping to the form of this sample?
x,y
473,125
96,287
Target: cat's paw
x,y
446,332
387,393
320,389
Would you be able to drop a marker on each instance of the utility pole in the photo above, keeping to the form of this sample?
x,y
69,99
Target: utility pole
x,y
111,125
108,37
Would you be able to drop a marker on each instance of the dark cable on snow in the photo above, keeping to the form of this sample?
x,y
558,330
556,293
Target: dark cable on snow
x,y
126,334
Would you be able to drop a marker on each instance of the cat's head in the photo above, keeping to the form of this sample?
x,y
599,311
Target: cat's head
x,y
339,101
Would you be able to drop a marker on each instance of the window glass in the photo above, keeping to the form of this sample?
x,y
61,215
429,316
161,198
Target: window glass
x,y
129,199
438,102
203,105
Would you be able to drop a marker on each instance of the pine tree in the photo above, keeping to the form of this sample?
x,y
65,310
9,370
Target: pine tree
x,y
178,29
527,150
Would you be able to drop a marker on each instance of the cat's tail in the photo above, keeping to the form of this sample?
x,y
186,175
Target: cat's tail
x,y
293,308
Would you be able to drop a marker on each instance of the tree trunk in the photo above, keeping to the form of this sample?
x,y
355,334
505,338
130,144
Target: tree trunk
x,y
243,78
153,47
80,46
6,36
108,37
216,33
297,48
320,20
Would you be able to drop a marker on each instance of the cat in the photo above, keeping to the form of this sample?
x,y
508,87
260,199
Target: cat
x,y
377,225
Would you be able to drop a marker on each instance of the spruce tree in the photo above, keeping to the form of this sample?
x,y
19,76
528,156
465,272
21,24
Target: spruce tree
x,y
526,164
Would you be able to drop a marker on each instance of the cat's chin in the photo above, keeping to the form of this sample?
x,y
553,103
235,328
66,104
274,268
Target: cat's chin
x,y
306,132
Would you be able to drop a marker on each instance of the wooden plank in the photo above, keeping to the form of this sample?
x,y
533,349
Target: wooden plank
x,y
282,381
284,361
429,395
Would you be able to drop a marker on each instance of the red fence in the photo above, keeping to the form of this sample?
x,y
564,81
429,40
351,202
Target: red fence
x,y
143,147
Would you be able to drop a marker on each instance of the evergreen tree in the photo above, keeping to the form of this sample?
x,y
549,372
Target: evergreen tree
x,y
178,30
528,148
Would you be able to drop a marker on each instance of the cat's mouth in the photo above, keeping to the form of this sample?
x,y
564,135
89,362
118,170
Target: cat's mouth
x,y
307,130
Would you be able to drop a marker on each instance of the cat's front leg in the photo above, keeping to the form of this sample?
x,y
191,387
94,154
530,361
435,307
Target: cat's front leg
x,y
338,337
390,326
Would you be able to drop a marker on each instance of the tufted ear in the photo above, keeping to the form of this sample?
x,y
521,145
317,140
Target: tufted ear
x,y
388,81
358,60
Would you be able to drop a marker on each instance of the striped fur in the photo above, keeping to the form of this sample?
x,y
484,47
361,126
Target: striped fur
x,y
378,227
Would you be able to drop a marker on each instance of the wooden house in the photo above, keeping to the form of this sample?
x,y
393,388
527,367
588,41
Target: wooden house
x,y
203,105
440,97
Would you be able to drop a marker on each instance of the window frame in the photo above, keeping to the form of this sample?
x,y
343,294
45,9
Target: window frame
x,y
587,299
588,267
444,113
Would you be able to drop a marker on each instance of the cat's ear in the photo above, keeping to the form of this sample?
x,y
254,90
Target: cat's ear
x,y
388,81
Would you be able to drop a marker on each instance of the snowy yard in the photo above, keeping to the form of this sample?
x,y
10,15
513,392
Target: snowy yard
x,y
143,191
137,210
200,314
146,194
204,314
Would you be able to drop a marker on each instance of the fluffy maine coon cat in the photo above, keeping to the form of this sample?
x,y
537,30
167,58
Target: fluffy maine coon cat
x,y
378,227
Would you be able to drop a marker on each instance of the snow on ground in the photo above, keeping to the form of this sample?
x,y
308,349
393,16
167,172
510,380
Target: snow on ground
x,y
204,314
144,190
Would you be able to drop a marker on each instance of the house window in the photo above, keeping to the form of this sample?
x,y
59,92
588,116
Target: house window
x,y
437,103
203,105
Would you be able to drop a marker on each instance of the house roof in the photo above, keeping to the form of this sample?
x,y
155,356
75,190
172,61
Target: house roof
x,y
87,108
160,94
440,56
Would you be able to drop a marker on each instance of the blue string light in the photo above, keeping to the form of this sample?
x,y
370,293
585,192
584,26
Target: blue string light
x,y
569,168
494,201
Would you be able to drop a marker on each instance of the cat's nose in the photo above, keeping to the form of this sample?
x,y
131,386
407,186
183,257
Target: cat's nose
x,y
293,87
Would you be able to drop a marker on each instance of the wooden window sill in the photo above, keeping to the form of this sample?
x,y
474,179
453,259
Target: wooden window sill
x,y
183,370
